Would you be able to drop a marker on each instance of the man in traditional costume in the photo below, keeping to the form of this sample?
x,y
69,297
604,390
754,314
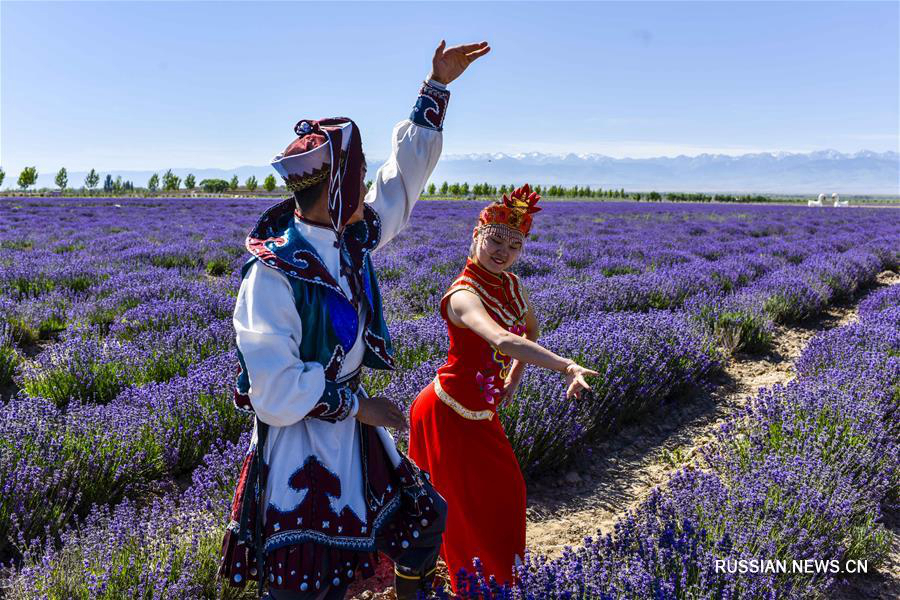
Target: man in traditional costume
x,y
323,488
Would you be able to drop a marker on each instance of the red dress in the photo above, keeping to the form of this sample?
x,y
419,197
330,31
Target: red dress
x,y
456,435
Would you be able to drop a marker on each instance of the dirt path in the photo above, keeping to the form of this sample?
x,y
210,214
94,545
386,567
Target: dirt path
x,y
619,472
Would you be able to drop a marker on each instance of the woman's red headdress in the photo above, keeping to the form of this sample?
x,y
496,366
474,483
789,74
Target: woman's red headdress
x,y
513,211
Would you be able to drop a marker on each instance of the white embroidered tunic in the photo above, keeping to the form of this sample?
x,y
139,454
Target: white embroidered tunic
x,y
284,389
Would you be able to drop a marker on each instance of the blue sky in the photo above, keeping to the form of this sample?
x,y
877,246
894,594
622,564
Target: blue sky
x,y
205,84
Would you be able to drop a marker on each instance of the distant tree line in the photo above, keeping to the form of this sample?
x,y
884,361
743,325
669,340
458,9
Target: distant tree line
x,y
553,191
681,197
575,191
168,183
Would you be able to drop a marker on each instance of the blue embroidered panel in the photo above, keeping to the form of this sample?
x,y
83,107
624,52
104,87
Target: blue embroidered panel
x,y
344,318
430,107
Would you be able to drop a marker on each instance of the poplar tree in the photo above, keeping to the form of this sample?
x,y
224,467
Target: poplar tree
x,y
62,178
27,177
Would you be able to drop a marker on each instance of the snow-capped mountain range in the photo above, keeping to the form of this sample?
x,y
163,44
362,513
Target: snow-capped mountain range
x,y
863,172
824,171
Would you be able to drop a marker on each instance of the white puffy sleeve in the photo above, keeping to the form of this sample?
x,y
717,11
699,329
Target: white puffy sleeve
x,y
415,150
283,388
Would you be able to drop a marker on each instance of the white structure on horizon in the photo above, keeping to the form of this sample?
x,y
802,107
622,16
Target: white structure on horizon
x,y
817,202
838,201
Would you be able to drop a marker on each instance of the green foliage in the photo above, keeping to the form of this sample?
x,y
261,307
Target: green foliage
x,y
484,189
9,358
166,363
25,244
27,177
217,266
739,330
170,181
174,260
214,185
2,175
783,309
62,178
29,286
103,318
60,384
21,332
92,179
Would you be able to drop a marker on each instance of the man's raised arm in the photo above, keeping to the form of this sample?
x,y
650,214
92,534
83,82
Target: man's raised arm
x,y
417,142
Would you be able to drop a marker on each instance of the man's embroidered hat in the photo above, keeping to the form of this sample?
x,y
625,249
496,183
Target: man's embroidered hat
x,y
325,150
513,211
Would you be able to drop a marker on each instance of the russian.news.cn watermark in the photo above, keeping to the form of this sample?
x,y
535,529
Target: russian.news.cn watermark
x,y
806,566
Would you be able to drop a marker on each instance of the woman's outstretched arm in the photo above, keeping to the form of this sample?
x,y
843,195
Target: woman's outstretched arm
x,y
466,310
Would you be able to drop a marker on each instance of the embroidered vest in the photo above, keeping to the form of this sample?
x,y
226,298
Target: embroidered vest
x,y
330,320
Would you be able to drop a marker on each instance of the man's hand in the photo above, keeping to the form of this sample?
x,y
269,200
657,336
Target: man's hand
x,y
449,63
380,412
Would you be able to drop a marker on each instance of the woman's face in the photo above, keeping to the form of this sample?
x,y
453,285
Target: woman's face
x,y
496,253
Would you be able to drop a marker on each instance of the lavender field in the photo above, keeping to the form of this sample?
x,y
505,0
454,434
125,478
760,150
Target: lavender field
x,y
120,447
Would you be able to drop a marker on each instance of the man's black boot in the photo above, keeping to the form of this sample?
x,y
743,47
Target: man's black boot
x,y
408,584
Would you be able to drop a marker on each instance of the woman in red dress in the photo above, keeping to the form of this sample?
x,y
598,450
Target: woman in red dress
x,y
455,432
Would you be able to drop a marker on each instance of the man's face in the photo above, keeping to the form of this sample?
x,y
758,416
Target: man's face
x,y
358,215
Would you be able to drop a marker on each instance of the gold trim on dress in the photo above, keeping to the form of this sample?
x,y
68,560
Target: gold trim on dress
x,y
472,415
505,314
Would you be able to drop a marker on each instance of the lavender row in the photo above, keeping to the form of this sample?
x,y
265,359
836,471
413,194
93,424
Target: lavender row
x,y
110,538
782,462
56,464
166,548
117,317
745,320
799,476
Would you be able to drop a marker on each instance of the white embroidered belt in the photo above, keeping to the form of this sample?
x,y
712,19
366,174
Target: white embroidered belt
x,y
473,415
